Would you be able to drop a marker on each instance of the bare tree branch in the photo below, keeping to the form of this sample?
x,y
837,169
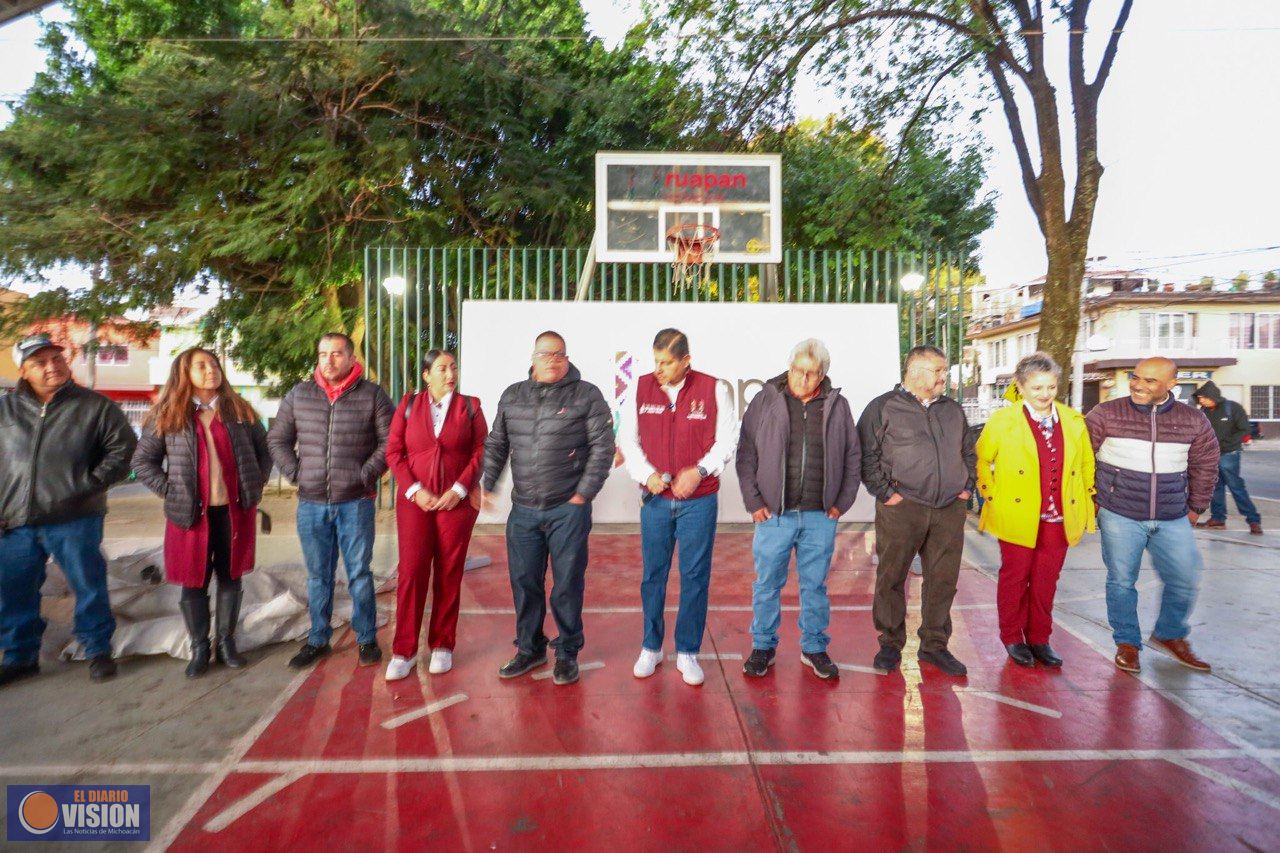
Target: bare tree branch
x,y
910,125
1109,55
1013,117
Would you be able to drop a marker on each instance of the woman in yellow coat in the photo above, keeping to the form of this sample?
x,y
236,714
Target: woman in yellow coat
x,y
1035,473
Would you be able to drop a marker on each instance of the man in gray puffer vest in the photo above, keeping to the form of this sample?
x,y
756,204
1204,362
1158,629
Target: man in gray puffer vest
x,y
557,431
330,438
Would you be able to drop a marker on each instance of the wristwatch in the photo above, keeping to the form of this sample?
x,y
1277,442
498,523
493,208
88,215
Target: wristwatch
x,y
703,472
666,479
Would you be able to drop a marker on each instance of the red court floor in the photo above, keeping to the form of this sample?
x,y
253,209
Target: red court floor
x,y
1084,758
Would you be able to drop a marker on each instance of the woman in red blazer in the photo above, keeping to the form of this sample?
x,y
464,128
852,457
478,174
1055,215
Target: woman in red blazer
x,y
434,450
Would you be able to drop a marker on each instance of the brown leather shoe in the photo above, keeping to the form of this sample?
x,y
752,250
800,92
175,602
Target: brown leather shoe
x,y
1255,528
1213,524
1180,650
1127,658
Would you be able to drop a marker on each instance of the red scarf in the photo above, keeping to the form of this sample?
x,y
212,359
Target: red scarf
x,y
333,392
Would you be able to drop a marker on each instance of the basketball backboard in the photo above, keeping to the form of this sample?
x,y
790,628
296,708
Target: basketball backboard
x,y
641,196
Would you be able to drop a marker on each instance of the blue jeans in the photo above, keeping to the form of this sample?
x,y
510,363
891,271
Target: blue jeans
x,y
691,524
813,538
1229,478
24,551
326,530
1176,560
534,536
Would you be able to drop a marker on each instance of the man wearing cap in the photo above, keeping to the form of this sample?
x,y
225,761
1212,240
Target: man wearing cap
x,y
61,447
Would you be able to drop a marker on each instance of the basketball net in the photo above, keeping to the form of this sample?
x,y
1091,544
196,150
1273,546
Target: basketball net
x,y
693,243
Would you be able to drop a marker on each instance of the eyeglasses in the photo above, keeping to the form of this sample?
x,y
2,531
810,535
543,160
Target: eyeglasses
x,y
544,355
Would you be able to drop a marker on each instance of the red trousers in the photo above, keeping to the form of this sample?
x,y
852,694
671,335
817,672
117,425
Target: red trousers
x,y
1028,582
433,553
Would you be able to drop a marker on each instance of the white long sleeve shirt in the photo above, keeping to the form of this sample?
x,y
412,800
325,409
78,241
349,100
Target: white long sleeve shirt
x,y
438,412
638,466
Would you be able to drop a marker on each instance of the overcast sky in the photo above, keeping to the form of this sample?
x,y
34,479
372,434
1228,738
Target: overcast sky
x,y
1189,135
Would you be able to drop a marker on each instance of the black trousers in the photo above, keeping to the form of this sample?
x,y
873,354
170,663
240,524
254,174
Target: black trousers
x,y
533,537
218,561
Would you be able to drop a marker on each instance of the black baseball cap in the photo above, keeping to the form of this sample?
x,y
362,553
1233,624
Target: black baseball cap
x,y
30,345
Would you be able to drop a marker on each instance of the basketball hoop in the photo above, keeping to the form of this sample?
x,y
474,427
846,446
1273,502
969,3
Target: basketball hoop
x,y
693,243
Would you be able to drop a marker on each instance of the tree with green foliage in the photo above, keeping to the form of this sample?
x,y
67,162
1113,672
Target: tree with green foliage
x,y
260,167
846,187
892,58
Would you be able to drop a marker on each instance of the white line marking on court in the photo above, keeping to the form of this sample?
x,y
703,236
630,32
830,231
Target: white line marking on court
x,y
714,656
448,764
206,789
244,805
419,713
477,764
1229,781
853,667
582,667
1009,700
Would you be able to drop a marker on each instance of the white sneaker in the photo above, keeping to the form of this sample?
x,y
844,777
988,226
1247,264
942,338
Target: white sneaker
x,y
647,663
690,668
400,667
441,661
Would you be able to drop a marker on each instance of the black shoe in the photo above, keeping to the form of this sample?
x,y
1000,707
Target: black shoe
x,y
566,671
369,654
1045,654
520,664
227,618
944,661
308,655
101,668
821,663
11,672
887,659
195,613
757,666
1020,653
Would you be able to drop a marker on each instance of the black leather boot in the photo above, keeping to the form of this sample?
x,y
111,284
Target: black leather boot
x,y
228,616
195,612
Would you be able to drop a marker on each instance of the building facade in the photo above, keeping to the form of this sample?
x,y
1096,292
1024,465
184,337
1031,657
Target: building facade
x,y
1231,337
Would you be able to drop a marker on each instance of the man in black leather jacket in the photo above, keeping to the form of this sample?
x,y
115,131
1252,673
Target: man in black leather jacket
x,y
557,431
61,447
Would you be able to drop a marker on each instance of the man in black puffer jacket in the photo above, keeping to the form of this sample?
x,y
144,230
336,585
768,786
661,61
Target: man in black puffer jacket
x,y
61,448
558,432
330,437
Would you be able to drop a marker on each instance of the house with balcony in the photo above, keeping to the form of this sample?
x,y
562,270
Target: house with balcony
x,y
1231,337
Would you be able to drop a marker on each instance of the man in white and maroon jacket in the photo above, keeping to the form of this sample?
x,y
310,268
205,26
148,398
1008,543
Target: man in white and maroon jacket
x,y
1157,463
676,439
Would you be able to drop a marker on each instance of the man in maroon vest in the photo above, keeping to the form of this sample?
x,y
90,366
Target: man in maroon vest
x,y
676,438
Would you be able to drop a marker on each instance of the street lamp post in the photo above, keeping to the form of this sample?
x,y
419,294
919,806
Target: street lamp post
x,y
395,286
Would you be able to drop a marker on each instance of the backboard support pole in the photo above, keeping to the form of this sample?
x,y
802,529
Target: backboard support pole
x,y
587,273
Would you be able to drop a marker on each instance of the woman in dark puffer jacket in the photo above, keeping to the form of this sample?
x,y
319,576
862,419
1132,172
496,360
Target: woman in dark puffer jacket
x,y
204,450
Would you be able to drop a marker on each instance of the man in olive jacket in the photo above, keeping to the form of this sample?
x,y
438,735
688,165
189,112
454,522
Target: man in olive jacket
x,y
919,461
330,437
61,447
557,431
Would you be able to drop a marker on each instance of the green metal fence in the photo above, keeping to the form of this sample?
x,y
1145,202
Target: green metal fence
x,y
413,296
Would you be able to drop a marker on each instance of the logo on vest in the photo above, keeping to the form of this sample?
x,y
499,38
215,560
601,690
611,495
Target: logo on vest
x,y
652,409
697,411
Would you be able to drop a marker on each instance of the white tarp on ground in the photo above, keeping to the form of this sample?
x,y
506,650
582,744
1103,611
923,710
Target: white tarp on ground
x,y
148,621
